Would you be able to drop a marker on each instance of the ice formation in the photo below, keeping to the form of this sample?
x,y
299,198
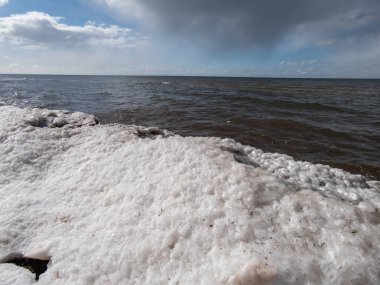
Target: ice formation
x,y
115,204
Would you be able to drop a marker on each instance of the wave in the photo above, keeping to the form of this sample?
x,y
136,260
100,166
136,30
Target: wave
x,y
112,204
13,79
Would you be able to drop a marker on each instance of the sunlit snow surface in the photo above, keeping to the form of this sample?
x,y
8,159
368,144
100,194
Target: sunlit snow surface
x,y
115,204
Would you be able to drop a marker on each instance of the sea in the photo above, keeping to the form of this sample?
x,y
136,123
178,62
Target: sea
x,y
328,121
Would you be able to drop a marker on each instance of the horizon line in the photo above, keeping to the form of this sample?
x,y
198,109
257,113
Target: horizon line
x,y
200,76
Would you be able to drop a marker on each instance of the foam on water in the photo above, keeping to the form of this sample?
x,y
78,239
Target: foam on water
x,y
116,204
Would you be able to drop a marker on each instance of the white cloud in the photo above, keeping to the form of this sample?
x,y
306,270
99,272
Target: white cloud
x,y
3,2
36,30
301,62
14,64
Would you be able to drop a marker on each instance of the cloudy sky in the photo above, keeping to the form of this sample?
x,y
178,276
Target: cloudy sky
x,y
280,38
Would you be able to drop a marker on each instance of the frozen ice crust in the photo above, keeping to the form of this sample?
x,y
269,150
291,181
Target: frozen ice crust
x,y
116,204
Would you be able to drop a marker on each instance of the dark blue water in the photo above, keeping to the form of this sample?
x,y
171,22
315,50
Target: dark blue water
x,y
335,122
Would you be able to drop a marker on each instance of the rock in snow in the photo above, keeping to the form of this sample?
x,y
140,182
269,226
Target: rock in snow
x,y
116,204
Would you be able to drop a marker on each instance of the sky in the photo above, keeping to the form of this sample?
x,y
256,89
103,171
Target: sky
x,y
254,38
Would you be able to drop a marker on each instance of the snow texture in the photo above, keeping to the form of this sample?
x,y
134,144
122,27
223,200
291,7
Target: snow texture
x,y
13,275
116,204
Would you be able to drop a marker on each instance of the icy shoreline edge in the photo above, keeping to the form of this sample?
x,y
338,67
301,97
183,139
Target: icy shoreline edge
x,y
188,209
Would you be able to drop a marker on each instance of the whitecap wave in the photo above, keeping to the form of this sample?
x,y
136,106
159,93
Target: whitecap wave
x,y
116,204
13,79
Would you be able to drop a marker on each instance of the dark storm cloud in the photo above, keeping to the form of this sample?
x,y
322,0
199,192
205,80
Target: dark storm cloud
x,y
226,24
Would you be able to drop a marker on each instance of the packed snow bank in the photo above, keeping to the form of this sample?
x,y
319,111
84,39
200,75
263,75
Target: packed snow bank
x,y
114,204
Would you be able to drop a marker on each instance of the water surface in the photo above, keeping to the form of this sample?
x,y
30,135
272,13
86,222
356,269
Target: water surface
x,y
334,122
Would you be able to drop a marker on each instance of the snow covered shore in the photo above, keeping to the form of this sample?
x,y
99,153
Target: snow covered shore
x,y
115,204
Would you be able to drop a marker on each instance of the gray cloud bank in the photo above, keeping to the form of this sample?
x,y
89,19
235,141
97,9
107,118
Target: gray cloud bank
x,y
227,24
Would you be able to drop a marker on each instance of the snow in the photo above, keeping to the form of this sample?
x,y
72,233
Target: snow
x,y
116,204
13,275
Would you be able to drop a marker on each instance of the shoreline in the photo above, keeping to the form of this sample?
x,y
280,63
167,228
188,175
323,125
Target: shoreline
x,y
116,203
